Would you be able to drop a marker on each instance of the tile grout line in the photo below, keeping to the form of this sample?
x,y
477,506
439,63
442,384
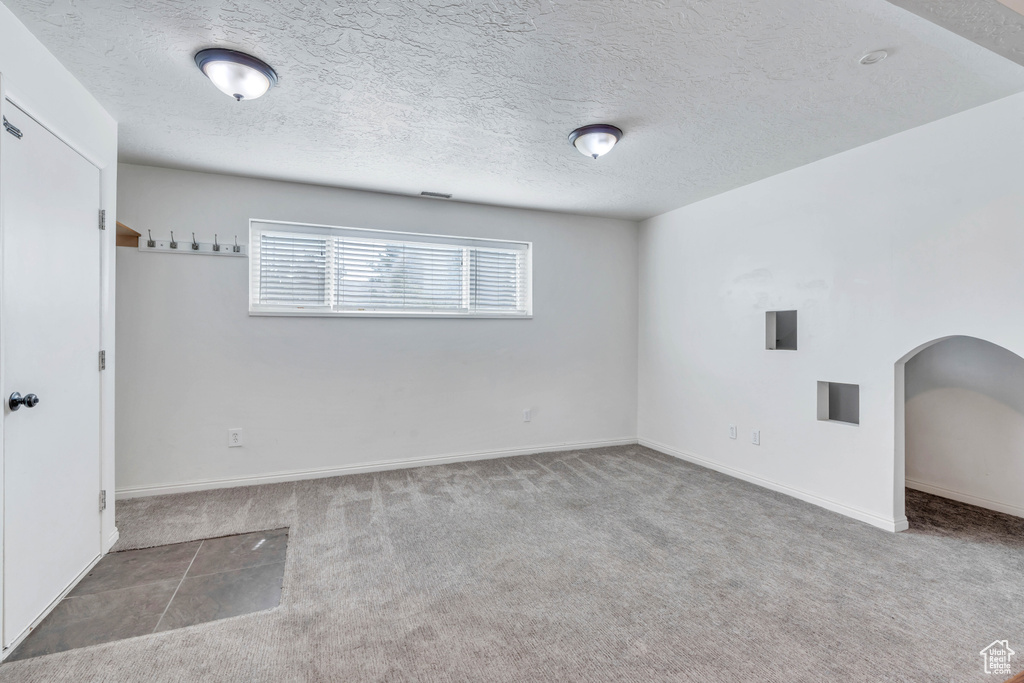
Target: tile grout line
x,y
112,590
162,614
237,569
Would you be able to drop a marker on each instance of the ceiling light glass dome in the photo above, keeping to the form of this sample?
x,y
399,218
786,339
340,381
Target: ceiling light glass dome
x,y
236,74
595,140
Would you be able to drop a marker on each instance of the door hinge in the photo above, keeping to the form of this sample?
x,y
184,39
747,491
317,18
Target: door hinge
x,y
103,360
103,219
12,129
103,500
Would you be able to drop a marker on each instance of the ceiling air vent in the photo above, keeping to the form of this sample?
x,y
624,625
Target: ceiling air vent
x,y
436,195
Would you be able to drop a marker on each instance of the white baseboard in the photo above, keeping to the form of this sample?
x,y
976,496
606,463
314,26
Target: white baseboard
x,y
111,540
827,503
297,475
1006,508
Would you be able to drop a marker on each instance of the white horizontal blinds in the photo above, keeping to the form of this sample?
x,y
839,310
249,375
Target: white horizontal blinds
x,y
498,280
318,270
293,269
378,275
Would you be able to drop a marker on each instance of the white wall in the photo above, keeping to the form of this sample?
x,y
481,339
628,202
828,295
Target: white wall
x,y
881,249
965,423
337,393
38,83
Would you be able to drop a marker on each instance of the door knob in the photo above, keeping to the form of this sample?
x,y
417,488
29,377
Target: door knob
x,y
17,400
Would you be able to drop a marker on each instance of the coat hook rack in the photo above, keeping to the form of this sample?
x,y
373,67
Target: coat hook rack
x,y
214,248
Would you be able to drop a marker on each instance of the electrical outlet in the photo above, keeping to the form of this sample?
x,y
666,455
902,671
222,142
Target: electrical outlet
x,y
732,431
755,437
234,437
527,415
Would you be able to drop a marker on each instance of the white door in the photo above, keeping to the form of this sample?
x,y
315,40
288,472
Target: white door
x,y
50,322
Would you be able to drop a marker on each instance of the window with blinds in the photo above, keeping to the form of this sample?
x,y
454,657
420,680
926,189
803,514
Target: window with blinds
x,y
300,269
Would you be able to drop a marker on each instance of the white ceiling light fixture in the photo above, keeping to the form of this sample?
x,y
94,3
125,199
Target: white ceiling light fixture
x,y
236,74
873,57
595,140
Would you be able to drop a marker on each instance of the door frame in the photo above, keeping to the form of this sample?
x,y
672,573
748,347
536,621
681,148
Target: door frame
x,y
10,99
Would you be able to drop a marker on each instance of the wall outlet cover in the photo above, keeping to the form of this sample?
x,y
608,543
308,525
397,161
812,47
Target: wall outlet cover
x,y
234,437
732,431
755,437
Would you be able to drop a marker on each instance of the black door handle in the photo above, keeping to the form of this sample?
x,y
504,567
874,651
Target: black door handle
x,y
17,400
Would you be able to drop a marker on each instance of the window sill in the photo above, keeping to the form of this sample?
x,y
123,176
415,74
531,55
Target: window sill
x,y
385,314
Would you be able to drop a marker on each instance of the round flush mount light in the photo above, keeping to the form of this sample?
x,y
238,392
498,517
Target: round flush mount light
x,y
873,57
595,140
236,74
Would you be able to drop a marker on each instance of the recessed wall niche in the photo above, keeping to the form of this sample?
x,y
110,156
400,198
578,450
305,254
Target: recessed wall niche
x,y
780,330
839,402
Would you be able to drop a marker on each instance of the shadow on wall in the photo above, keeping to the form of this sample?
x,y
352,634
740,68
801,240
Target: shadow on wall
x,y
965,423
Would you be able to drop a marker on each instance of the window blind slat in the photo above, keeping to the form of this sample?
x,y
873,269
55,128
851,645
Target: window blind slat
x,y
397,276
497,283
348,270
292,270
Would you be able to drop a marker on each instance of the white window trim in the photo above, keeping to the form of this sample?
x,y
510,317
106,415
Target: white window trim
x,y
371,233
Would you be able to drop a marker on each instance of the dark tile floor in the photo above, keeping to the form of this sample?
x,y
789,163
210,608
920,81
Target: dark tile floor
x,y
135,592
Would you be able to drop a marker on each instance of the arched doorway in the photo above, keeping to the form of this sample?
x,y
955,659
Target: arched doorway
x,y
959,404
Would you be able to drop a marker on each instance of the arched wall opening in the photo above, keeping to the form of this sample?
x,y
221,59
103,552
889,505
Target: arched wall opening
x,y
960,424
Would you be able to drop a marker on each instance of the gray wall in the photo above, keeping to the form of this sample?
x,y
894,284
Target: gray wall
x,y
325,394
881,249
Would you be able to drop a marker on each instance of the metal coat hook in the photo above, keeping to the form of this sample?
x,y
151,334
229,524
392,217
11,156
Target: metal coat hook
x,y
214,248
12,129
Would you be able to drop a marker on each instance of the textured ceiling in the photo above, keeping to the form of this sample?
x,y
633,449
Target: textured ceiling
x,y
990,23
476,98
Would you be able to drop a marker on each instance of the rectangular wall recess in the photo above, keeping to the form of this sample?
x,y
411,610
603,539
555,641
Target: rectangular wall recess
x,y
780,330
839,402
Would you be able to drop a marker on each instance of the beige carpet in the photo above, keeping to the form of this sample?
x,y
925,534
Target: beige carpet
x,y
615,564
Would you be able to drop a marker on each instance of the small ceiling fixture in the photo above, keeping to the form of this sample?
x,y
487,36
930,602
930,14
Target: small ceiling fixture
x,y
595,140
236,74
873,57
